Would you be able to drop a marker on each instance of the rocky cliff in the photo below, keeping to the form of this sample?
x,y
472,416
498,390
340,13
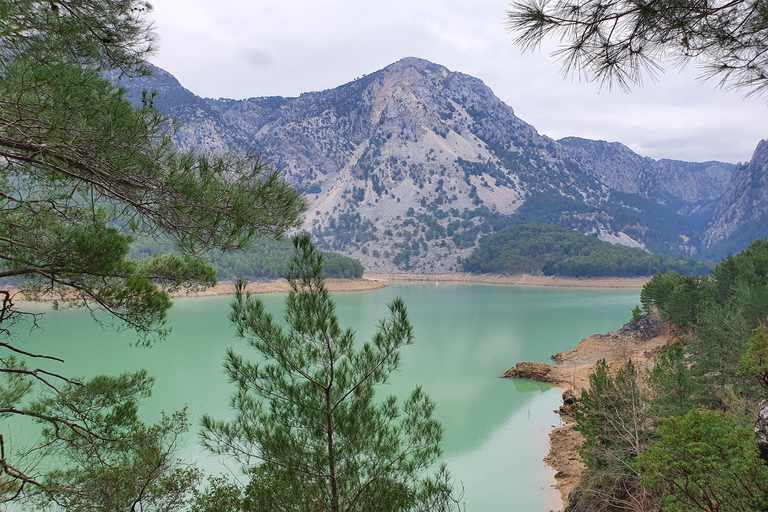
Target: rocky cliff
x,y
620,168
741,214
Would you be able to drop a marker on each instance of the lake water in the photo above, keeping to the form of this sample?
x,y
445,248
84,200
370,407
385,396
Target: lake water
x,y
466,336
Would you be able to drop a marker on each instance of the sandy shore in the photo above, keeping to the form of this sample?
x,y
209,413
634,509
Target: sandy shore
x,y
520,279
374,281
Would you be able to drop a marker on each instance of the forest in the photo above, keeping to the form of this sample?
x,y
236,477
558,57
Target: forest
x,y
264,258
559,251
683,436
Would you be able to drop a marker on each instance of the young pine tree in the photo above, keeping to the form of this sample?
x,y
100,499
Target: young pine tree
x,y
614,418
308,425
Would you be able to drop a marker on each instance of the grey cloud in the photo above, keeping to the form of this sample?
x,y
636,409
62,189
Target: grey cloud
x,y
258,57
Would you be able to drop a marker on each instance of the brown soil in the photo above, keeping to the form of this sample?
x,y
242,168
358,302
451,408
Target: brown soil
x,y
520,279
571,372
281,286
572,368
374,281
563,457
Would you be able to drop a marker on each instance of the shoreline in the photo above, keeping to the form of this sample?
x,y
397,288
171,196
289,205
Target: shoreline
x,y
514,279
376,281
571,374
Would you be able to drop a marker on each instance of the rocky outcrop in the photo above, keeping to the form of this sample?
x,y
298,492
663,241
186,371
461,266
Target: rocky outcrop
x,y
569,403
742,211
564,445
531,371
646,328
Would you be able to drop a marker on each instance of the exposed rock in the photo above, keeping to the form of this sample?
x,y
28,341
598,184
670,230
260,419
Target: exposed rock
x,y
394,163
559,357
569,403
741,212
403,168
531,371
644,329
622,169
761,429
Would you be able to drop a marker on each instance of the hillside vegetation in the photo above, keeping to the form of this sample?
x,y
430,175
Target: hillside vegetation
x,y
265,258
683,436
559,251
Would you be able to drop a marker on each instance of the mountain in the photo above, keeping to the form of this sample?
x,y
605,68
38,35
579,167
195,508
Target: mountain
x,y
407,167
620,168
741,214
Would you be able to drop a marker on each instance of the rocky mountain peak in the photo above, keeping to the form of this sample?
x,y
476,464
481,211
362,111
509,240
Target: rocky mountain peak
x,y
406,167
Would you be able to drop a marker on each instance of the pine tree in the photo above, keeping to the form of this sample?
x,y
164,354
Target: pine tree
x,y
309,426
82,174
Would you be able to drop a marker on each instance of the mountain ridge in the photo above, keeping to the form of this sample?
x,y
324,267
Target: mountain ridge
x,y
406,167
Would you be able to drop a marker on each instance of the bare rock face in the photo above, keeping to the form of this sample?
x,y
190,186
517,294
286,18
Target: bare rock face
x,y
531,371
761,429
644,329
622,169
741,211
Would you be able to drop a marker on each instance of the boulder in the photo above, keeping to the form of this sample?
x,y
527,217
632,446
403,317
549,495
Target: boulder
x,y
532,371
569,403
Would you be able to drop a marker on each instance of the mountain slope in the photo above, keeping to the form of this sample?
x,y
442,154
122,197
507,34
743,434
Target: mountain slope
x,y
741,214
405,168
620,168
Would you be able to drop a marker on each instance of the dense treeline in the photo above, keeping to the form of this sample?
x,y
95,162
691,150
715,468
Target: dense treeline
x,y
683,436
554,250
265,258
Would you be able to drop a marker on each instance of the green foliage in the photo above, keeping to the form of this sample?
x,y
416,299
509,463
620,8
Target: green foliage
x,y
560,251
721,309
720,341
637,315
108,459
264,258
687,459
696,460
83,174
687,300
705,461
272,259
738,283
755,362
219,495
672,383
546,207
307,420
656,293
614,418
618,44
84,171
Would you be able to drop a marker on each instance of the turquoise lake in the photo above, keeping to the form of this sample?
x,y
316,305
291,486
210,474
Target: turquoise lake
x,y
466,337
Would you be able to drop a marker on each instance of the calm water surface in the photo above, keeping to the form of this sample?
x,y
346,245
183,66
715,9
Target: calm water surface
x,y
466,336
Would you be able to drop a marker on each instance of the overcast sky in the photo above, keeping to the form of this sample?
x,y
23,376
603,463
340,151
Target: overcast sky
x,y
249,48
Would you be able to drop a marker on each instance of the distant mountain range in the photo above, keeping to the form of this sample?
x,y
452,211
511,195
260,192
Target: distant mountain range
x,y
406,168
